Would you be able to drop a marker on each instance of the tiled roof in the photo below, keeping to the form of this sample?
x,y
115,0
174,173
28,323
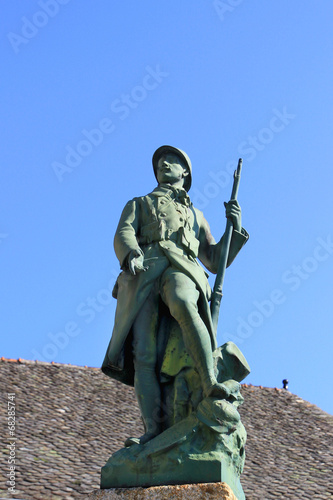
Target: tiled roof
x,y
70,419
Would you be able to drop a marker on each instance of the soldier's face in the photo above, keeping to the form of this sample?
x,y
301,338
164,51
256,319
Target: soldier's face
x,y
170,169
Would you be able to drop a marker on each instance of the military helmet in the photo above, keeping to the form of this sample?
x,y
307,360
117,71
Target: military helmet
x,y
163,150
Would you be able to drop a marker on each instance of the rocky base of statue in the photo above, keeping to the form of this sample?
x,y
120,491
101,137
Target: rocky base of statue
x,y
206,446
206,491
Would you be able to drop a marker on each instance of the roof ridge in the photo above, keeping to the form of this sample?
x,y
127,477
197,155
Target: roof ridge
x,y
69,365
85,367
22,361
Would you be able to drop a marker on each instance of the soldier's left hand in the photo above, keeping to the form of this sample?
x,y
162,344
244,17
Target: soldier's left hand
x,y
234,213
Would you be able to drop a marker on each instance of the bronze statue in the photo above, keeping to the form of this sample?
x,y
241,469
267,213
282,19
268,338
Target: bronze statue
x,y
158,240
163,341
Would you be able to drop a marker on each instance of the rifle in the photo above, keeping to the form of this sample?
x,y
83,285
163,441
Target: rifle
x,y
217,291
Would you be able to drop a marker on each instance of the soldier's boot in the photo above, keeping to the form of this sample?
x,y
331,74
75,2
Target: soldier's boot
x,y
148,394
198,344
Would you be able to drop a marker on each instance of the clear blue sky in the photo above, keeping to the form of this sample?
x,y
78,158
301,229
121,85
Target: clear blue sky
x,y
90,89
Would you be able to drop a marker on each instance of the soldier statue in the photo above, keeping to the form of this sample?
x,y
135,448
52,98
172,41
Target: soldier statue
x,y
159,240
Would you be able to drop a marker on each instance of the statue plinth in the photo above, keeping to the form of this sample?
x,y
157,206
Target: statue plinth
x,y
205,447
205,491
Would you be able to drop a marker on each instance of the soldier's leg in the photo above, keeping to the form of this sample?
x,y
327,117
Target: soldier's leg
x,y
146,384
180,294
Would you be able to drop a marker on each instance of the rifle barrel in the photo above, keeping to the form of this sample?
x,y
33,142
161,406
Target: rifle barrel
x,y
217,292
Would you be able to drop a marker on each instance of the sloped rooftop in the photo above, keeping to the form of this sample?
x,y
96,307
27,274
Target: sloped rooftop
x,y
70,419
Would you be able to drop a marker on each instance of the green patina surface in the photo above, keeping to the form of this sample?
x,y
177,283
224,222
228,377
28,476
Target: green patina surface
x,y
164,339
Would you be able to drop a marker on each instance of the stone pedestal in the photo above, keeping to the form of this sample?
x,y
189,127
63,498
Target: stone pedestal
x,y
206,491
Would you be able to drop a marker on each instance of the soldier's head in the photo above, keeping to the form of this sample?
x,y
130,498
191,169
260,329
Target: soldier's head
x,y
172,166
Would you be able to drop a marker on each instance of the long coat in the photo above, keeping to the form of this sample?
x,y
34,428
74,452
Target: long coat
x,y
168,231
